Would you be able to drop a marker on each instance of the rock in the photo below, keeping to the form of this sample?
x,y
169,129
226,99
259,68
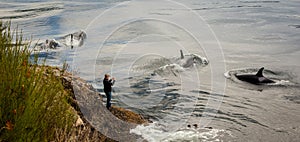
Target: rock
x,y
79,122
127,115
83,130
195,125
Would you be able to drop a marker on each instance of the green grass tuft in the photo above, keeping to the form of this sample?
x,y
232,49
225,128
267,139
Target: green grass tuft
x,y
33,102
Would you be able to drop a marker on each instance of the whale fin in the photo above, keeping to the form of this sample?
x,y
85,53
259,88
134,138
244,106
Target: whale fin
x,y
181,53
260,72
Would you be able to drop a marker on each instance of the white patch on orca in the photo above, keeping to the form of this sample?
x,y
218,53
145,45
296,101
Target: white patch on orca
x,y
191,60
261,79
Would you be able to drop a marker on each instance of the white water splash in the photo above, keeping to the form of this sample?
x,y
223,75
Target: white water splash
x,y
155,132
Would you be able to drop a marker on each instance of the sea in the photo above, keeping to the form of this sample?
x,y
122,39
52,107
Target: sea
x,y
176,61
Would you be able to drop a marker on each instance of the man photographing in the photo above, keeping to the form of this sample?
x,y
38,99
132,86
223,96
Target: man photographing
x,y
108,83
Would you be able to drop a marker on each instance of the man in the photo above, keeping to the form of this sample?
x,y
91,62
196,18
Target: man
x,y
108,83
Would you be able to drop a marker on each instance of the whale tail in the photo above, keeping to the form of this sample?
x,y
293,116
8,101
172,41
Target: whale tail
x,y
181,53
260,72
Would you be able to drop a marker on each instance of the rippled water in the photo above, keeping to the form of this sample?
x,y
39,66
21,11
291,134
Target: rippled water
x,y
138,42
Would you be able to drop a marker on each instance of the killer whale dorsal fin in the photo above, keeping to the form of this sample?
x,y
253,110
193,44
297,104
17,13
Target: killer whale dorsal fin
x,y
260,72
181,53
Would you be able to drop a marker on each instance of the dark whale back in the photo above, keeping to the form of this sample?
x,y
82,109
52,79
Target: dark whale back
x,y
258,78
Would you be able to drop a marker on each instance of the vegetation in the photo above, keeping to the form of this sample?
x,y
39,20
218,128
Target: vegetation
x,y
33,103
37,102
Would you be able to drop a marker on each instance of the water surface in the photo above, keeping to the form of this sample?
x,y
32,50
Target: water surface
x,y
138,42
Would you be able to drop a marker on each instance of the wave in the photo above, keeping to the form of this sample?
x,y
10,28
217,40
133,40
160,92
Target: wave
x,y
264,1
31,11
169,69
155,132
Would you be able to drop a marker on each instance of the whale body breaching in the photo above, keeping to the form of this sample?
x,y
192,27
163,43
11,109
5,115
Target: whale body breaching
x,y
179,64
75,39
190,60
257,79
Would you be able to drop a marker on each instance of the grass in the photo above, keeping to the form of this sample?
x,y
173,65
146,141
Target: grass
x,y
33,102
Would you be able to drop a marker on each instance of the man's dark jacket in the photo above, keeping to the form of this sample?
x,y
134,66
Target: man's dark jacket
x,y
107,84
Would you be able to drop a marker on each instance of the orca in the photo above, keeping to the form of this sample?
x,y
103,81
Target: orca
x,y
187,61
179,64
256,79
75,39
48,44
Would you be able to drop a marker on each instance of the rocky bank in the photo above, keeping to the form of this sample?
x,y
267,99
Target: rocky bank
x,y
94,122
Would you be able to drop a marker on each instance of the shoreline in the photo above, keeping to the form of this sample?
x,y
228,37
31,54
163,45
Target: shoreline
x,y
82,128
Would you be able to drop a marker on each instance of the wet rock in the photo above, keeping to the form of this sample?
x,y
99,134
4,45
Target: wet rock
x,y
195,125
